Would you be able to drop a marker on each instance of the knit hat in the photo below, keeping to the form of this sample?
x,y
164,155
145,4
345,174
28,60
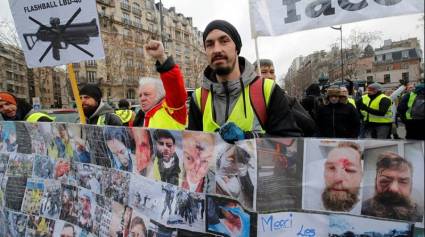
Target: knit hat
x,y
376,86
227,28
92,91
333,91
6,96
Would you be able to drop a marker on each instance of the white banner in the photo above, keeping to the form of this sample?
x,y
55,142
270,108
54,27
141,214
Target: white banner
x,y
57,32
276,17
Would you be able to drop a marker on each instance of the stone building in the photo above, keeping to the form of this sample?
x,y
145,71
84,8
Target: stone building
x,y
13,73
126,25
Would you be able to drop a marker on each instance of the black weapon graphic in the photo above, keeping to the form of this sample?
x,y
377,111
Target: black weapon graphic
x,y
61,36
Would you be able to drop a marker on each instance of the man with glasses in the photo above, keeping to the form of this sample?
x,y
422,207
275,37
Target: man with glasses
x,y
393,189
336,119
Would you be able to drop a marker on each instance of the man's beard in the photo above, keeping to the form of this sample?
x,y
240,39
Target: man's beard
x,y
339,201
89,110
223,70
394,205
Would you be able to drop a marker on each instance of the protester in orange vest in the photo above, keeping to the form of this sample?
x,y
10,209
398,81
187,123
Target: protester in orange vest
x,y
162,102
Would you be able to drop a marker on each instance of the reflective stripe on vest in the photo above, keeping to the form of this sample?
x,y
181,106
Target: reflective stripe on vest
x,y
101,120
124,114
248,123
388,118
33,118
162,119
410,103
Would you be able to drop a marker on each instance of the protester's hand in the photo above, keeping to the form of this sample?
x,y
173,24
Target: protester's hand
x,y
231,133
156,50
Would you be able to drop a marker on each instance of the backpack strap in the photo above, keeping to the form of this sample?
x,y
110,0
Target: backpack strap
x,y
204,97
258,101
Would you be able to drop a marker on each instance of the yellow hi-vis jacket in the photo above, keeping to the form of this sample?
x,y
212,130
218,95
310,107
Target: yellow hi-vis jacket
x,y
248,123
124,114
374,104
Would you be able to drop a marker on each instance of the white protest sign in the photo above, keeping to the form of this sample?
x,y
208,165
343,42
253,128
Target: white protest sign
x,y
292,224
275,17
57,32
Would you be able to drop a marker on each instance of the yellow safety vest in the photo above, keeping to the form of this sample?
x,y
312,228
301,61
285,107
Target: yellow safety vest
x,y
34,117
367,117
412,98
162,119
352,101
124,114
248,123
101,120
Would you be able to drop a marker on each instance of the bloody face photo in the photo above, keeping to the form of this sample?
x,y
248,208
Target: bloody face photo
x,y
227,217
395,181
198,157
143,151
337,175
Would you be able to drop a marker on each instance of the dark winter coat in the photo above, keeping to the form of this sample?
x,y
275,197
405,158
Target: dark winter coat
x,y
339,121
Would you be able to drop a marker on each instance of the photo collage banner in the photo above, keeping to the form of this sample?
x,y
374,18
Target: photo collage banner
x,y
73,180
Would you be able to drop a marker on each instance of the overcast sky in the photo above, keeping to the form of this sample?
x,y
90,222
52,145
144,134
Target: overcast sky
x,y
281,49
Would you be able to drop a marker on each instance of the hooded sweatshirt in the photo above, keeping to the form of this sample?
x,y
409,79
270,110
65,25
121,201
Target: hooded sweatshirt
x,y
280,121
108,111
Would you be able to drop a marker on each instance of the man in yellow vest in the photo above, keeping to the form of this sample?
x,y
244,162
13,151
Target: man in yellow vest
x,y
95,110
224,103
375,109
412,112
162,102
125,113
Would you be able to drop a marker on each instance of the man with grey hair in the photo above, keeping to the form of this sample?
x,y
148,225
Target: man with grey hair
x,y
162,102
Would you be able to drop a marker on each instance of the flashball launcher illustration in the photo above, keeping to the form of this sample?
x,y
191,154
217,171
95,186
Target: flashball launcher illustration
x,y
61,36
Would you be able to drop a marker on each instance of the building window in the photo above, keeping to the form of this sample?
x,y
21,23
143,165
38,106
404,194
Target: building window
x,y
378,58
404,66
405,76
388,57
91,77
405,54
387,78
131,94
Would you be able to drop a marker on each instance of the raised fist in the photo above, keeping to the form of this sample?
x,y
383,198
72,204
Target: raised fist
x,y
156,50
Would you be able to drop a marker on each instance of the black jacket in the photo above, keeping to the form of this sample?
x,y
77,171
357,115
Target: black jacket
x,y
302,117
338,120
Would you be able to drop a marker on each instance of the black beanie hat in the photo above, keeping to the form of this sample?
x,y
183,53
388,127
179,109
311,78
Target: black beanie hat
x,y
227,28
92,91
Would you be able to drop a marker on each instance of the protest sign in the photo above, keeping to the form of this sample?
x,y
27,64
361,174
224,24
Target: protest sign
x,y
276,17
86,180
57,32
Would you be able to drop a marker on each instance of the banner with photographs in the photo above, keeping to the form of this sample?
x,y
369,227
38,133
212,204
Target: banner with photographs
x,y
78,180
